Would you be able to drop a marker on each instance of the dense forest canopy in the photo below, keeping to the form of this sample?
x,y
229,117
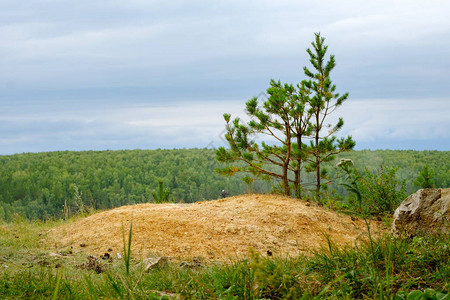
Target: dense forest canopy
x,y
40,185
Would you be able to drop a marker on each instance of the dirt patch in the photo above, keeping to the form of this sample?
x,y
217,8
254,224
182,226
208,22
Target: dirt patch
x,y
212,230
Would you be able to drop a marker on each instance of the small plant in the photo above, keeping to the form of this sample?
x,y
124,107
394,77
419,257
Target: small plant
x,y
162,195
352,184
76,204
127,248
78,200
425,179
382,192
66,210
419,295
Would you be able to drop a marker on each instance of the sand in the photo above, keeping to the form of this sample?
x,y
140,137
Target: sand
x,y
212,230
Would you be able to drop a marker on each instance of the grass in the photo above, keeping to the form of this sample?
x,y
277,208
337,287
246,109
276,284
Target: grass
x,y
388,268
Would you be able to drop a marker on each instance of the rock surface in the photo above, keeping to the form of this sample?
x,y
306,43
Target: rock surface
x,y
427,210
153,262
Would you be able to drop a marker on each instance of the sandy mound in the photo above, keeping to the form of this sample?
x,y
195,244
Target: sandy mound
x,y
211,230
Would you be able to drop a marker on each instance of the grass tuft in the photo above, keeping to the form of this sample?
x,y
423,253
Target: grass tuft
x,y
127,247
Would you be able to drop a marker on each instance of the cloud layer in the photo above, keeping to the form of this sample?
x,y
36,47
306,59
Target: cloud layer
x,y
71,71
374,124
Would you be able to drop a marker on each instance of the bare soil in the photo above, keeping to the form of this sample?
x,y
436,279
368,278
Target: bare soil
x,y
212,230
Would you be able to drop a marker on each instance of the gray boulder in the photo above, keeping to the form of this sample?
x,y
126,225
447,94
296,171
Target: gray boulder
x,y
425,211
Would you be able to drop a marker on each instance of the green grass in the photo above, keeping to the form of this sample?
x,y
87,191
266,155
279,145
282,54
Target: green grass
x,y
387,269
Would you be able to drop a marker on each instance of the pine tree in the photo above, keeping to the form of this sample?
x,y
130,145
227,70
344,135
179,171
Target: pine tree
x,y
425,179
323,100
162,195
288,116
279,117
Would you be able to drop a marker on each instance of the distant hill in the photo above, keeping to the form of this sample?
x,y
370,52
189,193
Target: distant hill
x,y
44,185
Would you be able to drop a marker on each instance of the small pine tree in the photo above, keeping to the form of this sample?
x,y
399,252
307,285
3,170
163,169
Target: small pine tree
x,y
289,115
163,193
425,179
323,100
281,117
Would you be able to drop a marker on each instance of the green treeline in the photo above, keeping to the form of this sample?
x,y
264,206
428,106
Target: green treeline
x,y
43,185
38,185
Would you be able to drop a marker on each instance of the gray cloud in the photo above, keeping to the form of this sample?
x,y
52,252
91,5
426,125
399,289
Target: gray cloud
x,y
375,124
61,57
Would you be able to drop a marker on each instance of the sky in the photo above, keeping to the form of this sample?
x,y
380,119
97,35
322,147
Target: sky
x,y
135,74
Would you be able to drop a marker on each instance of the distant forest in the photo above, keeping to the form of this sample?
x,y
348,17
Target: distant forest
x,y
45,185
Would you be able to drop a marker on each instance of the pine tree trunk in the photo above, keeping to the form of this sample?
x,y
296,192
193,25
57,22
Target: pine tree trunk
x,y
318,175
287,190
297,180
317,154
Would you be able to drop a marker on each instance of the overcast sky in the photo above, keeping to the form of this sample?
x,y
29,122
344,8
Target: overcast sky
x,y
95,75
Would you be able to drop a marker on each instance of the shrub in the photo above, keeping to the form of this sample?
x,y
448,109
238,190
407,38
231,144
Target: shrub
x,y
377,193
382,192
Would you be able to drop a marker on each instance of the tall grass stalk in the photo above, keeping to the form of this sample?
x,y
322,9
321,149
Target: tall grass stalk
x,y
127,248
58,282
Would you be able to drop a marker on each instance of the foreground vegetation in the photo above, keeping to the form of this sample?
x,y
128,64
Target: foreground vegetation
x,y
51,185
43,185
383,269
